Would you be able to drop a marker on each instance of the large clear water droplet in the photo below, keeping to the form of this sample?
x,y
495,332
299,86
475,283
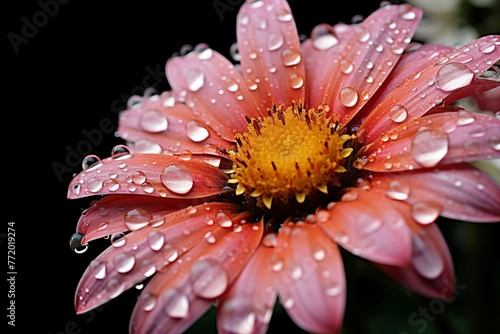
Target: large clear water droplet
x,y
124,262
175,303
348,96
196,131
238,316
208,278
136,219
429,147
177,178
153,121
75,243
425,212
194,79
453,76
426,259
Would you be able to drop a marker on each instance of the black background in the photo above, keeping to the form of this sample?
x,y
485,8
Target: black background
x,y
77,69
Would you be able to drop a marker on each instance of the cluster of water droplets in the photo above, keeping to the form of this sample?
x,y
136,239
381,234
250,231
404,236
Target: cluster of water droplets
x,y
174,177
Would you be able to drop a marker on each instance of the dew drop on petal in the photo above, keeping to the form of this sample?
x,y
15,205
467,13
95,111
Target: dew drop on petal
x,y
274,41
124,262
170,253
156,240
465,117
98,269
194,79
429,147
177,178
398,113
117,239
486,47
284,15
94,184
120,152
153,121
90,162
196,131
398,190
208,278
136,218
495,143
349,196
175,303
425,212
115,287
138,177
290,57
239,316
147,301
348,96
296,81
453,76
75,243
426,259
323,37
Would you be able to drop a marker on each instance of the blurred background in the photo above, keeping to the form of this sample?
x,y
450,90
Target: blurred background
x,y
72,65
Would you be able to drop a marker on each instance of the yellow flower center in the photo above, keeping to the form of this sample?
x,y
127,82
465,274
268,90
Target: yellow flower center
x,y
288,157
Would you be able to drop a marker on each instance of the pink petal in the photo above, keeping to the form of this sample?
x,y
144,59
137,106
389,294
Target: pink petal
x,y
445,138
311,283
373,50
422,57
489,100
377,233
326,43
107,216
143,252
248,304
430,86
158,124
213,89
462,191
178,295
270,53
149,174
431,272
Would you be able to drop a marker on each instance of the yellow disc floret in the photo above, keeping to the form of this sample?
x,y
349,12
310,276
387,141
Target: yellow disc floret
x,y
289,155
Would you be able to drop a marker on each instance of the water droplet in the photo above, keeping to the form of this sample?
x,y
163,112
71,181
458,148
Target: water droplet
x,y
425,212
115,287
138,177
223,220
136,218
333,288
90,162
208,278
118,240
296,81
323,37
319,252
429,147
346,66
120,152
349,196
274,41
99,269
175,303
290,57
194,79
239,316
398,190
156,240
147,301
204,51
177,178
426,259
153,121
94,184
479,130
348,96
75,243
465,117
495,143
453,76
210,237
170,253
148,268
196,131
486,47
124,262
398,113
284,15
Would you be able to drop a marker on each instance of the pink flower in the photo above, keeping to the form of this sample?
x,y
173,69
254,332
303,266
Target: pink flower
x,y
240,186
